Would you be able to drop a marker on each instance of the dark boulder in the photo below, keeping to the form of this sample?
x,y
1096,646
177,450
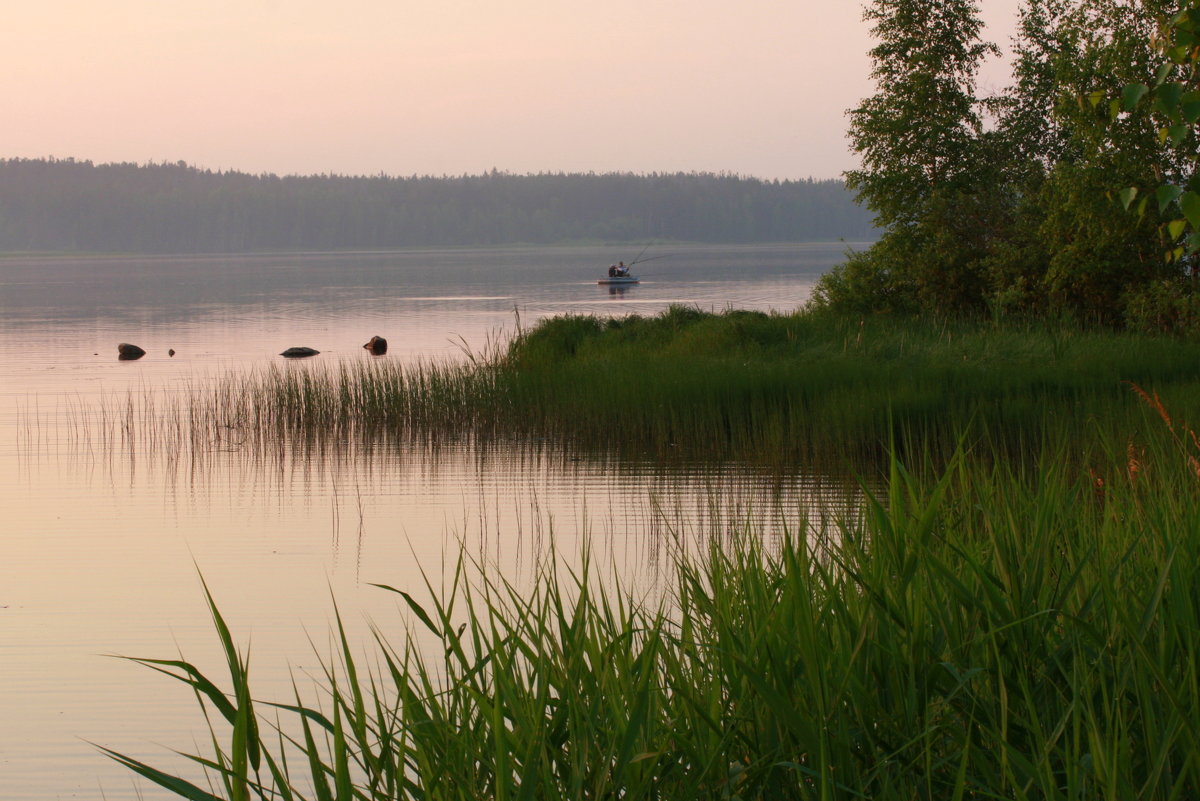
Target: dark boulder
x,y
377,345
299,353
127,352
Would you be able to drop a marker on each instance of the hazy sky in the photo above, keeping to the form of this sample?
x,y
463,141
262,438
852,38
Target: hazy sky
x,y
756,87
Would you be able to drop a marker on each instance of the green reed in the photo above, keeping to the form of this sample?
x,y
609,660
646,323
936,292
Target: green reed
x,y
770,389
807,385
982,629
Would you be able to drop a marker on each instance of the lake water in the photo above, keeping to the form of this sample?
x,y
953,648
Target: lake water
x,y
104,537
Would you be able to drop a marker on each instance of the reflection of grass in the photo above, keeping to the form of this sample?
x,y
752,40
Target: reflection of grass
x,y
982,631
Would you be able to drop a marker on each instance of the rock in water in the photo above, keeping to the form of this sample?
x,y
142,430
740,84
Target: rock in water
x,y
299,353
127,352
170,351
377,345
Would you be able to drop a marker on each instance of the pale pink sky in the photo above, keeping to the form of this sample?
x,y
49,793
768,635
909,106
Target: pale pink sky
x,y
756,87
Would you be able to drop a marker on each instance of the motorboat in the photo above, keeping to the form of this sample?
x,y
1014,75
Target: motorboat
x,y
619,275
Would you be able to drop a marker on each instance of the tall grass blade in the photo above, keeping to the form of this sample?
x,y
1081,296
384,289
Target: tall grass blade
x,y
176,785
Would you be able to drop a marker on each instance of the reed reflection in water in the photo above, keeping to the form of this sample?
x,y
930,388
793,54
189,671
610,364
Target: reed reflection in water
x,y
282,526
391,490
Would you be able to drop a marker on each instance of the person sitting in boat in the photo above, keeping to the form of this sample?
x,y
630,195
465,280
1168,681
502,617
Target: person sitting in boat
x,y
612,271
622,270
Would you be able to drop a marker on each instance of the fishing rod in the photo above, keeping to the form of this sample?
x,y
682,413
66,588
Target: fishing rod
x,y
652,258
639,256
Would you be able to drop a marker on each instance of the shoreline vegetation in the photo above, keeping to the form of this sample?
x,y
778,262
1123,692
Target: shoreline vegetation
x,y
810,389
1013,615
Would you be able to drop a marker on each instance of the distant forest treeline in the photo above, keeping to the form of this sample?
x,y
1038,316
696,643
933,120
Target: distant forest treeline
x,y
68,205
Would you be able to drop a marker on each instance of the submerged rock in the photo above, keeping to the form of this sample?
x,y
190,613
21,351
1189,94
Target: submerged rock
x,y
299,353
127,352
377,345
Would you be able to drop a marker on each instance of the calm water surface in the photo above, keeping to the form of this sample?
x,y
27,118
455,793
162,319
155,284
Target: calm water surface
x,y
103,539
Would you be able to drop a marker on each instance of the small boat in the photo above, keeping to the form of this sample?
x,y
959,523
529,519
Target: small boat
x,y
620,279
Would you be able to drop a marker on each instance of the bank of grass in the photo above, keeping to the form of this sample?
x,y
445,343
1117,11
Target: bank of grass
x,y
805,385
782,390
986,628
983,630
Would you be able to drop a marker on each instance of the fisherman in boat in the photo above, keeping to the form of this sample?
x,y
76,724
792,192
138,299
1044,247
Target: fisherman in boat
x,y
612,271
622,270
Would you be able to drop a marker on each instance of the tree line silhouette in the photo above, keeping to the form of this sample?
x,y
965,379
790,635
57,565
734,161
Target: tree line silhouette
x,y
68,205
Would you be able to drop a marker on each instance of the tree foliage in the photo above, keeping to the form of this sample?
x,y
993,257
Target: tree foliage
x,y
1172,101
1027,215
916,132
924,159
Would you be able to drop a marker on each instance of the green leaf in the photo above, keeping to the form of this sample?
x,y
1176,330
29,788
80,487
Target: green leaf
x,y
1095,97
1190,203
416,608
1190,106
1127,195
191,676
1132,94
1193,243
1166,100
1175,228
1178,133
318,770
341,760
1167,194
1155,601
176,785
1163,73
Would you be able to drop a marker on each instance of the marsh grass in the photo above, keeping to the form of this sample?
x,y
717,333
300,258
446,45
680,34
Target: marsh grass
x,y
983,629
810,386
780,391
1013,611
303,412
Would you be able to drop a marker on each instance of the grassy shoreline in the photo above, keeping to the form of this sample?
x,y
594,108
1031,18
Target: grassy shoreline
x,y
804,384
982,631
1015,615
776,390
